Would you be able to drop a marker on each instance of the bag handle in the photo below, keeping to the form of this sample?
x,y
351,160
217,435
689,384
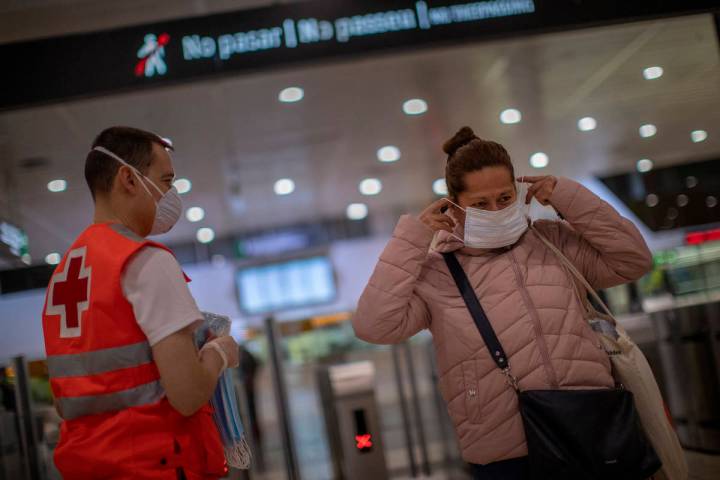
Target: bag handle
x,y
574,271
479,317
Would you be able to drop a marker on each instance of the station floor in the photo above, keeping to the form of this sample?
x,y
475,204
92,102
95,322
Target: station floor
x,y
309,430
702,467
311,439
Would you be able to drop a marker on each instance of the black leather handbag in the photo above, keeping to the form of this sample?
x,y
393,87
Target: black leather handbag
x,y
590,434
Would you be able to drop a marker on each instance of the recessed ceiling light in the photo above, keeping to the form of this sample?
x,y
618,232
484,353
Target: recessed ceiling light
x,y
698,136
370,186
644,165
652,200
195,214
291,95
205,235
711,201
53,258
691,182
357,211
388,153
183,185
647,130
440,187
651,73
672,213
587,124
57,186
284,186
539,160
682,200
510,116
415,106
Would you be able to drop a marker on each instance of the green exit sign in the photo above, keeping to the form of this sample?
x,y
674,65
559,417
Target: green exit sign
x,y
13,239
665,257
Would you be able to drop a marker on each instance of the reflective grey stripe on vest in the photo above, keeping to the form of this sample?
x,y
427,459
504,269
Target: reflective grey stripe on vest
x,y
126,232
74,407
103,361
99,361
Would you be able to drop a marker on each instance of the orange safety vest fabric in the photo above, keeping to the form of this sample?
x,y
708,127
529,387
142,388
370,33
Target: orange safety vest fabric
x,y
118,422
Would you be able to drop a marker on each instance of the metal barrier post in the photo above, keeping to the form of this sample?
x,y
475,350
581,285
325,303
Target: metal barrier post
x,y
419,424
281,399
404,411
26,419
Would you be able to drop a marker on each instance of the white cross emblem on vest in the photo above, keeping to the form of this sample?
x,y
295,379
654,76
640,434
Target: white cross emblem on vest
x,y
69,293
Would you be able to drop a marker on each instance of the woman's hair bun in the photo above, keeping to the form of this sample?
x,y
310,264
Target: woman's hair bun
x,y
464,136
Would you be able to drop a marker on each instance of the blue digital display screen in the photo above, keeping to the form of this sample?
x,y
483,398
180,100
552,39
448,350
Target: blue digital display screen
x,y
282,286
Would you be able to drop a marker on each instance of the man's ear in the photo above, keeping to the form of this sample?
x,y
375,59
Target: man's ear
x,y
126,179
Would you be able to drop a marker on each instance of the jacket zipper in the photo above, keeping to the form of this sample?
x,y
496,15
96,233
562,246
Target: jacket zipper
x,y
542,345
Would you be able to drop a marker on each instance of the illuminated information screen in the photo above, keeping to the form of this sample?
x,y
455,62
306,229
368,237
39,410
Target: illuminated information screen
x,y
282,286
13,240
99,63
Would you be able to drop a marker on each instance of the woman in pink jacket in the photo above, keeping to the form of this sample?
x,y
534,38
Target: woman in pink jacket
x,y
526,293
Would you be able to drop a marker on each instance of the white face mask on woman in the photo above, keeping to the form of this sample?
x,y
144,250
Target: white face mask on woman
x,y
167,210
495,229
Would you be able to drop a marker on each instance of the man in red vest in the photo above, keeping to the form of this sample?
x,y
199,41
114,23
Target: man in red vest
x,y
118,322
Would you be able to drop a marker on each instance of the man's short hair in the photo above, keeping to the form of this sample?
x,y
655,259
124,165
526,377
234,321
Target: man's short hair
x,y
133,145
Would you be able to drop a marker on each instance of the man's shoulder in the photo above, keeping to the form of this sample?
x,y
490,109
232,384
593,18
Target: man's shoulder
x,y
157,254
152,258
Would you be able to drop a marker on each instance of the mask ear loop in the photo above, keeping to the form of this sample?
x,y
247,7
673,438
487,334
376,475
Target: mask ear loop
x,y
461,208
522,189
450,201
134,170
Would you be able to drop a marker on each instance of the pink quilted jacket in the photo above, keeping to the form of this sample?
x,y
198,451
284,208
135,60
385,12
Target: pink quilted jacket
x,y
529,299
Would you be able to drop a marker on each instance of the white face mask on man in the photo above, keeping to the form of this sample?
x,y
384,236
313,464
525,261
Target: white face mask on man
x,y
495,229
167,210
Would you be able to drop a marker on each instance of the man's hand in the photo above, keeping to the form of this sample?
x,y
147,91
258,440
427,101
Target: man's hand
x,y
189,379
224,347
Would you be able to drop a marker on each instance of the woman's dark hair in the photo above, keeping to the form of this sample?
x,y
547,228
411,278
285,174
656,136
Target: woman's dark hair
x,y
468,153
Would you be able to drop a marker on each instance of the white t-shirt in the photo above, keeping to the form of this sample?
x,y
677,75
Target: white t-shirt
x,y
154,284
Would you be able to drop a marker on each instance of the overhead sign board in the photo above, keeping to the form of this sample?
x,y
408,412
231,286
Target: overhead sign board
x,y
98,63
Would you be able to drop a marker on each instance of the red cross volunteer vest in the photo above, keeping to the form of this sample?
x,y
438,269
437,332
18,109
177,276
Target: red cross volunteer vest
x,y
118,422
